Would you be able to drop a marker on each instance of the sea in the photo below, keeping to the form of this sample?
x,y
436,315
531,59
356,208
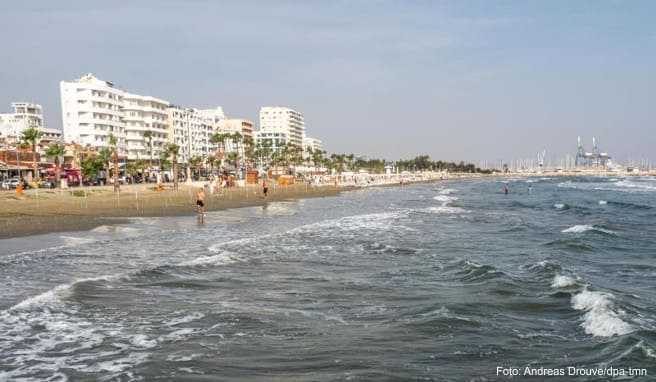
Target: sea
x,y
444,281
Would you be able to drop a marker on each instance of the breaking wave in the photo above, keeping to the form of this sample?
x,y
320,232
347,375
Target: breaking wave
x,y
600,319
581,228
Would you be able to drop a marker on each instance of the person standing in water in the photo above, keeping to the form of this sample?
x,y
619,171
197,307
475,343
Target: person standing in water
x,y
505,189
200,204
265,188
530,188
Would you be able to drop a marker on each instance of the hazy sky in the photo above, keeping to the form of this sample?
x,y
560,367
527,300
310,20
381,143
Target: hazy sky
x,y
457,80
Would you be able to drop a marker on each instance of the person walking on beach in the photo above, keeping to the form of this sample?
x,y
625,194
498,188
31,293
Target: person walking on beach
x,y
200,204
265,188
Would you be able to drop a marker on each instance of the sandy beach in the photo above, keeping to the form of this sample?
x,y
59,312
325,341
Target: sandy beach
x,y
77,209
42,211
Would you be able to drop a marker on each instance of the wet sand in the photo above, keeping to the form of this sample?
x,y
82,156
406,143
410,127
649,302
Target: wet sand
x,y
48,211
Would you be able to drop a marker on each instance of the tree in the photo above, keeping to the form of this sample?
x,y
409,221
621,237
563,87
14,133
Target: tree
x,y
56,151
249,151
32,136
149,136
113,148
195,162
211,160
219,139
172,150
91,167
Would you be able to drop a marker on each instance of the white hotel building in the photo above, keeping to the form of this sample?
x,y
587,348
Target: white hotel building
x,y
191,130
142,114
281,125
25,115
92,110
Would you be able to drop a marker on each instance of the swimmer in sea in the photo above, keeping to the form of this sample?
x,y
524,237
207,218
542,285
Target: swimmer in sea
x,y
200,204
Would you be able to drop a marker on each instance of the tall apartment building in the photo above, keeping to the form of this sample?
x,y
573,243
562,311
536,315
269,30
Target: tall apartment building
x,y
192,130
145,114
92,110
25,115
282,123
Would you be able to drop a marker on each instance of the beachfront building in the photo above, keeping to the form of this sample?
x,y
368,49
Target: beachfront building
x,y
191,130
282,123
313,144
143,116
24,115
92,110
271,140
235,125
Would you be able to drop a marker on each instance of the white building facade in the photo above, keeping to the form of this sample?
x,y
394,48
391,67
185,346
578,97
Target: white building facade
x,y
92,110
312,143
24,115
144,114
282,123
192,131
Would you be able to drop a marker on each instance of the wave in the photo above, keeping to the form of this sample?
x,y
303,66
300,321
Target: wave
x,y
581,228
55,294
471,271
445,198
116,229
603,202
562,281
561,206
600,320
447,191
446,210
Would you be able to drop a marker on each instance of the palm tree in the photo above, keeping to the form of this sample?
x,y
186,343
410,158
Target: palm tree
x,y
32,136
149,136
172,150
56,151
113,148
211,160
195,163
219,140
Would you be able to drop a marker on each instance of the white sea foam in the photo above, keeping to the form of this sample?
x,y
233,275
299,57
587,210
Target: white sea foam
x,y
561,281
448,191
142,341
73,241
559,206
53,295
445,198
116,229
446,210
603,202
600,319
581,228
185,319
221,258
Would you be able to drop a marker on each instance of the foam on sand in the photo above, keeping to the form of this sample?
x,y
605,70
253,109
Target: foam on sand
x,y
600,320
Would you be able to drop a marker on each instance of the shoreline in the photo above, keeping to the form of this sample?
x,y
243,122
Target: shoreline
x,y
51,211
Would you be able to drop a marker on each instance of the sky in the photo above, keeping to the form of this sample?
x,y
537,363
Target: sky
x,y
457,80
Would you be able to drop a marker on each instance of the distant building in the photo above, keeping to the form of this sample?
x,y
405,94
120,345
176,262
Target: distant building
x,y
25,115
285,122
271,139
236,125
312,143
191,129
